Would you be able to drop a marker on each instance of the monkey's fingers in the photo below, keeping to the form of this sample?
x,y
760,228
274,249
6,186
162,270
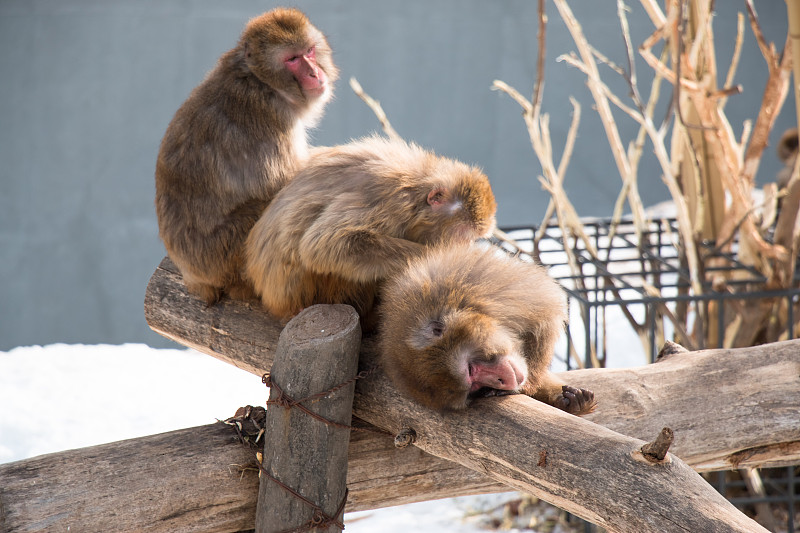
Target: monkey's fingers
x,y
576,401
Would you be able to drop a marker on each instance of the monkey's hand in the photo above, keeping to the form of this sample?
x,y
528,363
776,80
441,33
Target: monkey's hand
x,y
575,401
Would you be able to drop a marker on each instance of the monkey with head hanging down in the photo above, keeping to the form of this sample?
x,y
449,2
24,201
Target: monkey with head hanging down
x,y
354,215
238,138
462,322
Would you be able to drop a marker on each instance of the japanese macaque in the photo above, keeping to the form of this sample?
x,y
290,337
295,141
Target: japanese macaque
x,y
354,215
787,152
238,138
463,322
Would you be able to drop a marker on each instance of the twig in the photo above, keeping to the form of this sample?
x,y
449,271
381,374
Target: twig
x,y
376,108
656,451
737,53
541,39
603,109
767,50
566,155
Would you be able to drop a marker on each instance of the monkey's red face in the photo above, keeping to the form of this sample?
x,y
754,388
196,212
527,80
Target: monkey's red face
x,y
492,360
458,357
303,66
501,372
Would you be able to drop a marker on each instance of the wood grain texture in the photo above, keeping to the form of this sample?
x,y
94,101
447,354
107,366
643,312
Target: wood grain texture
x,y
317,351
727,407
588,470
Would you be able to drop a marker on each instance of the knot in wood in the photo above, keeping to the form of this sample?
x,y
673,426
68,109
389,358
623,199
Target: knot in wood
x,y
406,437
656,451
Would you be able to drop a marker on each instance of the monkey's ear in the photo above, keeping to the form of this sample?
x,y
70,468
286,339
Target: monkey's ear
x,y
437,197
430,332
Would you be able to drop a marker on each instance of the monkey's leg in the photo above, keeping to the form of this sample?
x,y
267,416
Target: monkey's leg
x,y
554,392
212,253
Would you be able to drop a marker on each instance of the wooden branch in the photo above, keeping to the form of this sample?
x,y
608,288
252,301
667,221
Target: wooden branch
x,y
304,477
568,461
636,402
201,480
718,402
741,391
376,108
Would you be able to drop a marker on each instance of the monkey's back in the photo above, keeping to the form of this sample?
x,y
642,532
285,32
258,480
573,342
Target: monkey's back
x,y
294,249
216,171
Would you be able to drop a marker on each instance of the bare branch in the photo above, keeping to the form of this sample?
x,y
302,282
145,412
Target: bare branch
x,y
376,108
737,53
541,37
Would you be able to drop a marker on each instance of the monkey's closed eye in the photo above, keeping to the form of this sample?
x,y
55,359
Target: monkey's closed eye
x,y
437,328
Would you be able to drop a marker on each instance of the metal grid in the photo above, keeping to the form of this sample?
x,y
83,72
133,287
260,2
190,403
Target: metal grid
x,y
648,278
647,282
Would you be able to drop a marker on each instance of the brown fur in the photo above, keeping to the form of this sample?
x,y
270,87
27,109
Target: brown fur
x,y
232,145
468,301
355,214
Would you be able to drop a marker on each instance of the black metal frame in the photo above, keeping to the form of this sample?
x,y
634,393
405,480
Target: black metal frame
x,y
616,276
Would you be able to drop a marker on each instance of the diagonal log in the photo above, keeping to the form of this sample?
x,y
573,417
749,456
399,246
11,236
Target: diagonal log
x,y
728,408
170,482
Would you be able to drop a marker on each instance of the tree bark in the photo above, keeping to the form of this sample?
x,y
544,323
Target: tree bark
x,y
718,402
317,352
586,469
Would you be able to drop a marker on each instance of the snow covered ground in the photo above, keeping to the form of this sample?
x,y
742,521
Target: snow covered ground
x,y
53,398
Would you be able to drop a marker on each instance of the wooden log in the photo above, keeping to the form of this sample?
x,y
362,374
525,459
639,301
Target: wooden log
x,y
182,481
200,480
381,405
586,469
717,402
317,352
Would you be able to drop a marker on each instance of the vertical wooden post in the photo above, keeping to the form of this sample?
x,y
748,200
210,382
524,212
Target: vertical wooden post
x,y
317,351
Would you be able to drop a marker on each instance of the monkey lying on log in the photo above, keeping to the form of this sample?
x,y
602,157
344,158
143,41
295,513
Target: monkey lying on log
x,y
463,322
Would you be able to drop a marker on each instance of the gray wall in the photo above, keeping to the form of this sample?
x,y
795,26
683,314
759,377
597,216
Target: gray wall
x,y
87,89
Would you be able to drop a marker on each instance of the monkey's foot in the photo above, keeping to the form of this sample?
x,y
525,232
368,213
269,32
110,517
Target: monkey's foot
x,y
575,401
211,295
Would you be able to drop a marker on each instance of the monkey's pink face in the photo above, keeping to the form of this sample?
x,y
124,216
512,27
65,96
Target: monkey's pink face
x,y
508,373
500,368
472,356
304,68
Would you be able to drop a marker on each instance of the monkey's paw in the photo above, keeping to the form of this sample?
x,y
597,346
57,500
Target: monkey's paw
x,y
575,401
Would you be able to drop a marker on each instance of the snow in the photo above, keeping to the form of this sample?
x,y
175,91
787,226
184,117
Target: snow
x,y
59,397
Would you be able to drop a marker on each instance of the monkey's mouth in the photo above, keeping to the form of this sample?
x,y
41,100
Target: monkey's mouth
x,y
488,392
